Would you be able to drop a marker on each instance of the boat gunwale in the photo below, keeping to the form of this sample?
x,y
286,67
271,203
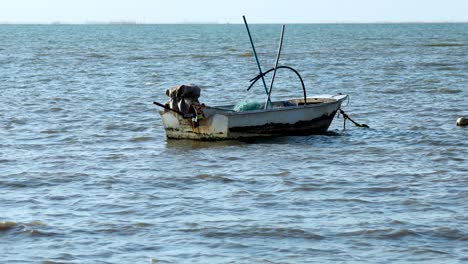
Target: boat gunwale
x,y
230,112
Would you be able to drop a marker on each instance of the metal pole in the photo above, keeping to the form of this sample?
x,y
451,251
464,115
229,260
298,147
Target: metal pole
x,y
275,68
256,57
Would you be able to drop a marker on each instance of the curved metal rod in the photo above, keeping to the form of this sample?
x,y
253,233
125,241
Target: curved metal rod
x,y
254,80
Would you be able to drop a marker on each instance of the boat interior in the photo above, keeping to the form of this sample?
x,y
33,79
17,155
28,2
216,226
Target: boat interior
x,y
252,106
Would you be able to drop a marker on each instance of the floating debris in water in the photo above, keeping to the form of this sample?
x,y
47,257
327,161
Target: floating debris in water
x,y
462,121
7,225
444,45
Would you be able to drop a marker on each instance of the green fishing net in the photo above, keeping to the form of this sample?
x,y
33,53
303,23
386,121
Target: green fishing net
x,y
247,106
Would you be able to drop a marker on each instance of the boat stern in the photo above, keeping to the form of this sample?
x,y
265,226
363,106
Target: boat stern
x,y
214,127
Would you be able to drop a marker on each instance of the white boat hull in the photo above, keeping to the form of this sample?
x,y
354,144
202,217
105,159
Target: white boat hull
x,y
219,124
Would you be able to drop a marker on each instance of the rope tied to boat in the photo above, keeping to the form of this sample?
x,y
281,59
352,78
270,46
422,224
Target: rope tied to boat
x,y
346,117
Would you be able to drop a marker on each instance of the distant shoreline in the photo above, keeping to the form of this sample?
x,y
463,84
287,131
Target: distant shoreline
x,y
216,23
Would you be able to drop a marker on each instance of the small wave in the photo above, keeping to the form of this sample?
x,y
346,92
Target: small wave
x,y
30,228
232,158
444,45
17,121
306,189
114,156
450,233
113,126
97,55
419,250
412,201
15,184
356,200
445,91
417,128
62,258
50,131
201,56
35,232
435,64
398,222
382,189
138,128
70,139
432,81
382,233
393,91
141,139
399,234
123,229
121,212
142,225
270,232
133,58
246,54
160,261
209,177
447,69
55,109
45,80
283,173
373,190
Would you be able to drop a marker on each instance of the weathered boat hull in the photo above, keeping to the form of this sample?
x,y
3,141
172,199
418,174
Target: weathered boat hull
x,y
297,120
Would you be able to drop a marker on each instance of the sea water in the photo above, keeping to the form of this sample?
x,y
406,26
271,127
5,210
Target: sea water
x,y
87,175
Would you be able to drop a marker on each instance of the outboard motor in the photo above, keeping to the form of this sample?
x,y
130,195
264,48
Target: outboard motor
x,y
184,98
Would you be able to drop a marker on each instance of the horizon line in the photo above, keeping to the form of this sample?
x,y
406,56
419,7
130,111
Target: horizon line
x,y
124,22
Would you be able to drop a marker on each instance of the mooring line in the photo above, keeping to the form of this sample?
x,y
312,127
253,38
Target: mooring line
x,y
345,116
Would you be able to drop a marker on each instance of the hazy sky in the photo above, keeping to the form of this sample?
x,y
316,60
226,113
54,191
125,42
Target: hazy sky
x,y
257,11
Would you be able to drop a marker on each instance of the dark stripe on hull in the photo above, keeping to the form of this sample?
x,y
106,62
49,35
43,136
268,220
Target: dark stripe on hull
x,y
301,128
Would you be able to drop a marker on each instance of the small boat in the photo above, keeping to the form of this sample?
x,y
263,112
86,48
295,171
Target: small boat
x,y
285,118
185,118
